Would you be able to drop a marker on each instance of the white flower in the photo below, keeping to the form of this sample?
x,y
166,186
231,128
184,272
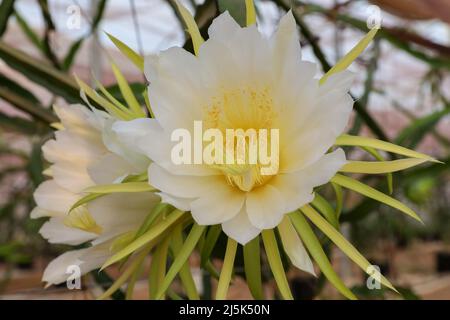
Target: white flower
x,y
84,153
241,79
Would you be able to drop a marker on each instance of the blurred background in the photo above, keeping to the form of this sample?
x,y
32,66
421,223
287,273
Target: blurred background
x,y
402,92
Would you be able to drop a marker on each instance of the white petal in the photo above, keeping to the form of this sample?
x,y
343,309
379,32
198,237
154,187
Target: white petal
x,y
223,27
182,186
109,169
122,212
293,246
183,204
57,271
297,187
265,207
39,213
220,204
240,228
52,197
55,231
61,268
71,176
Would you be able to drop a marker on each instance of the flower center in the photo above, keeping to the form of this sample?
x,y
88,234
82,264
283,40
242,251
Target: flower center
x,y
242,109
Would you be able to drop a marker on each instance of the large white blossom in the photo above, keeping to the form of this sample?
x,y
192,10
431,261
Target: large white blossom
x,y
242,79
84,153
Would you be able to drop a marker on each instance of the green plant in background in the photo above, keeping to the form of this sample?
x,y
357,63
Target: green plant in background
x,y
55,79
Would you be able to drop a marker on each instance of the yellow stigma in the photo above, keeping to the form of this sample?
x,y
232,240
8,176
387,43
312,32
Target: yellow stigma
x,y
241,108
80,218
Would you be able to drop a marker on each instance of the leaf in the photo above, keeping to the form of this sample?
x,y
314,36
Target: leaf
x,y
185,271
379,157
273,255
105,104
211,239
120,187
250,12
71,53
348,140
379,167
86,199
370,192
186,250
6,9
347,60
129,271
126,91
413,134
24,100
134,57
252,268
17,124
105,281
339,199
191,26
227,270
236,8
343,244
40,72
315,249
28,31
325,208
149,236
158,267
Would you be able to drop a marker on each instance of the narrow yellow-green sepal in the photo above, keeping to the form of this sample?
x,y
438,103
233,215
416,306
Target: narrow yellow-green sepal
x,y
252,268
86,199
378,167
347,60
315,249
227,270
191,26
370,192
186,250
126,91
339,199
273,255
120,187
250,12
325,208
349,140
158,265
129,271
110,97
343,244
185,272
379,157
149,236
134,57
104,103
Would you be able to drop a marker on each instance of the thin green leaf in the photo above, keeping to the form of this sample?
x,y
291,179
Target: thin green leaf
x,y
185,271
134,57
252,268
357,141
379,167
315,249
6,9
158,267
343,244
370,192
273,255
227,270
186,250
149,236
325,208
